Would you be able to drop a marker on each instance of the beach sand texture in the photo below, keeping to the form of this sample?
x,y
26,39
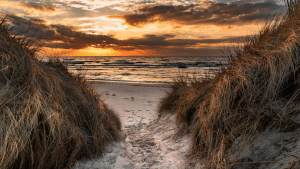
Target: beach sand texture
x,y
135,104
147,142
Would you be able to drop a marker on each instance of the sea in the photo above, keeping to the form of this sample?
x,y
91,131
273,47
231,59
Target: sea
x,y
144,69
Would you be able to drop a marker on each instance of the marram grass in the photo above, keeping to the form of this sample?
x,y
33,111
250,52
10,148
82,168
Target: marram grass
x,y
49,118
242,99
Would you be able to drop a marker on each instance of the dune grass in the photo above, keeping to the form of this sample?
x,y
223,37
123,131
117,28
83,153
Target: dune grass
x,y
49,117
243,99
183,99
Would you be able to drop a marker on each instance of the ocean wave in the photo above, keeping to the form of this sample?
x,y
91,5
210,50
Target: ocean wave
x,y
125,74
125,62
143,69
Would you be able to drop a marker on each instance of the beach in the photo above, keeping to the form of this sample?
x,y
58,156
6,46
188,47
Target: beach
x,y
151,100
135,104
147,142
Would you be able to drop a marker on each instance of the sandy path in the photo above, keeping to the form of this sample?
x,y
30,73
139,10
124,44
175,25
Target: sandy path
x,y
147,142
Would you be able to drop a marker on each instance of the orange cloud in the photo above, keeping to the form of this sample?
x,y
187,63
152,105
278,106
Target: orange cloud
x,y
40,7
72,39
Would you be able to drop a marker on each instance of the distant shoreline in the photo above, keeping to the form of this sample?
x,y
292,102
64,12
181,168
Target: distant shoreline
x,y
165,85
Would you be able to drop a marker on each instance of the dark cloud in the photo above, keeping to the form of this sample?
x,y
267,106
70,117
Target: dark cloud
x,y
40,7
166,41
35,28
69,37
77,40
66,37
207,13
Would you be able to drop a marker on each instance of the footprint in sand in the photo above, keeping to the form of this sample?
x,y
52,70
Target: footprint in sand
x,y
129,166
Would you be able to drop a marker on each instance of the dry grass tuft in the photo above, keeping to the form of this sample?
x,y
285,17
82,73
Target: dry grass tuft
x,y
183,99
49,118
241,100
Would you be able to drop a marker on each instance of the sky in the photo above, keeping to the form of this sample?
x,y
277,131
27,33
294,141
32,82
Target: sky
x,y
140,27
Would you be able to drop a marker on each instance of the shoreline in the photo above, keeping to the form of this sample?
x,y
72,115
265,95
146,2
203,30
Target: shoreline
x,y
164,85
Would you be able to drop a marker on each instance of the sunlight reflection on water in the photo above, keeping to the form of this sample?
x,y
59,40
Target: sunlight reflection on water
x,y
153,70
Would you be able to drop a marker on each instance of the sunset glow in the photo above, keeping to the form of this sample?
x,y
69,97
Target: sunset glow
x,y
139,28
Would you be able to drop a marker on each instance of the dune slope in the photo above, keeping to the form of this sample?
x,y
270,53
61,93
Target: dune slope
x,y
257,93
49,117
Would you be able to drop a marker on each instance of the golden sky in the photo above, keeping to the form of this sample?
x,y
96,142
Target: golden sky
x,y
139,28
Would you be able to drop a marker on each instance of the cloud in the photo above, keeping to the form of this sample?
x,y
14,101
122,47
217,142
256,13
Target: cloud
x,y
78,40
35,28
235,13
67,37
167,41
40,7
109,10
